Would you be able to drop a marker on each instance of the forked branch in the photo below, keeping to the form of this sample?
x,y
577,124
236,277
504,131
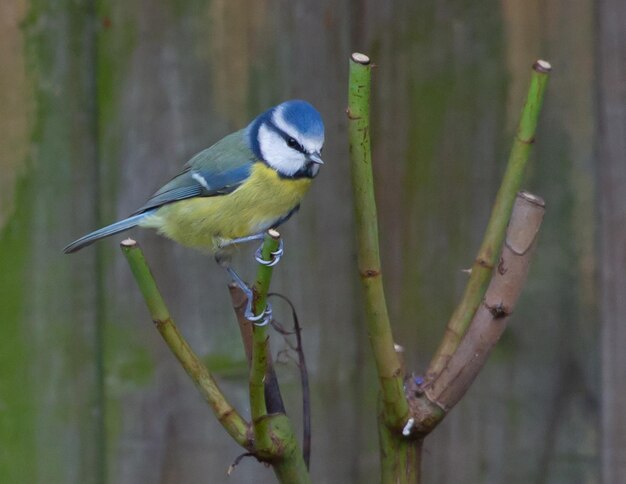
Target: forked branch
x,y
269,437
492,242
492,316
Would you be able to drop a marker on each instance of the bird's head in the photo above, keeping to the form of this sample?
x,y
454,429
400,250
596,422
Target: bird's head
x,y
289,138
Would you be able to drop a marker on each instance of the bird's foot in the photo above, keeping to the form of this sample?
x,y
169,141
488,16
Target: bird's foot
x,y
262,319
276,255
257,319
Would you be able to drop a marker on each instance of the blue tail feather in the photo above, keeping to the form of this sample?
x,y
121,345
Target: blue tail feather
x,y
112,229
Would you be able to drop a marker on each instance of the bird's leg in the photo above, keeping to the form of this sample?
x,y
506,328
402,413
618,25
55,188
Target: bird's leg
x,y
276,255
242,240
258,319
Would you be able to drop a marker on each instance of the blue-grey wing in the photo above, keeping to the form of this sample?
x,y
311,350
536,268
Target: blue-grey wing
x,y
218,170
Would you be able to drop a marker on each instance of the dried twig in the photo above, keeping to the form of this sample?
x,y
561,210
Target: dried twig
x,y
304,381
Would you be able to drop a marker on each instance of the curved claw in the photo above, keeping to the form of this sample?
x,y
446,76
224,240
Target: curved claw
x,y
280,251
276,255
265,317
250,316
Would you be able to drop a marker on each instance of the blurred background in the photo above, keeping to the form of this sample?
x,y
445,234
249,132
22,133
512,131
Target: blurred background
x,y
102,101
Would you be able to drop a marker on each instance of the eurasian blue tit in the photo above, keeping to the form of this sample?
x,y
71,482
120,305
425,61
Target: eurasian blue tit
x,y
246,183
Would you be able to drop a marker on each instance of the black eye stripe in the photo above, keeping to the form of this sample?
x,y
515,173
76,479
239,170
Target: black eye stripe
x,y
286,137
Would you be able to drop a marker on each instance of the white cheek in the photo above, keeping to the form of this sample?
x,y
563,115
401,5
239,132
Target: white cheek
x,y
277,154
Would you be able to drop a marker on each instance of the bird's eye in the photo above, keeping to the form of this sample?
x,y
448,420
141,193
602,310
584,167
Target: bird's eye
x,y
292,143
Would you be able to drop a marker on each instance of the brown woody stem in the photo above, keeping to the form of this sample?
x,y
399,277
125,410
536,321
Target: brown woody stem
x,y
492,316
494,234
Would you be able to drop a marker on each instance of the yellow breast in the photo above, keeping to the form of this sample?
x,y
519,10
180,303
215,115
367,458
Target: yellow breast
x,y
206,222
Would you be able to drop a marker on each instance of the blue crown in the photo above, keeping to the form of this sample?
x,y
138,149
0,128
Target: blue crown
x,y
304,117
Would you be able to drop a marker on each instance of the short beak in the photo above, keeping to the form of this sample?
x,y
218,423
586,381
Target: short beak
x,y
315,158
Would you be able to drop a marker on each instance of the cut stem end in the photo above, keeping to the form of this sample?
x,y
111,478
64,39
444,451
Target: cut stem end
x,y
542,66
360,58
274,234
128,243
535,199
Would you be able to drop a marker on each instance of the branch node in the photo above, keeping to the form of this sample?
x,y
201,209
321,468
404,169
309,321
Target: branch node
x,y
498,311
368,273
528,141
483,263
350,115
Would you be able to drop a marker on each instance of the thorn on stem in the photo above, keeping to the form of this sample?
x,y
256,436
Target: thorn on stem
x,y
406,431
350,115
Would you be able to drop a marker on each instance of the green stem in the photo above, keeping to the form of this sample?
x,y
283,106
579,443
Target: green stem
x,y
400,457
264,272
258,407
234,424
379,328
292,470
274,437
283,452
494,234
258,369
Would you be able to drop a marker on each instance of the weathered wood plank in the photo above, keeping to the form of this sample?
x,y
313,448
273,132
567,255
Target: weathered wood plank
x,y
611,187
100,107
446,72
50,403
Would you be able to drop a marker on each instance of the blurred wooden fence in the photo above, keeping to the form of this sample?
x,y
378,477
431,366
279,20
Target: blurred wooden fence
x,y
102,101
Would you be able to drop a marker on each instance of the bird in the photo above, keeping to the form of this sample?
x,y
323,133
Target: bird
x,y
248,182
